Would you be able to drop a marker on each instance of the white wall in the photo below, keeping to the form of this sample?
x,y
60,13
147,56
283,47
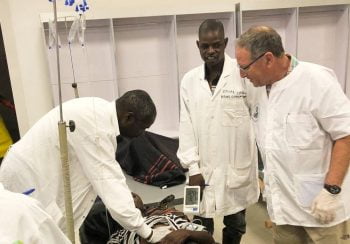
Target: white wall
x,y
25,48
25,51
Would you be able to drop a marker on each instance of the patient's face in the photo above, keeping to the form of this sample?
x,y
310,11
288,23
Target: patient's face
x,y
138,202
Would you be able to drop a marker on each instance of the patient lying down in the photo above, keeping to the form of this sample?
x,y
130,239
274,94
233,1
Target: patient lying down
x,y
174,224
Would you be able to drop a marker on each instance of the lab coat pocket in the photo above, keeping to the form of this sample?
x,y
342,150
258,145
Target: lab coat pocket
x,y
299,130
307,187
232,117
238,177
234,112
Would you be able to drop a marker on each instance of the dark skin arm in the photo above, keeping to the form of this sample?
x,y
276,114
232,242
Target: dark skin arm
x,y
197,180
182,236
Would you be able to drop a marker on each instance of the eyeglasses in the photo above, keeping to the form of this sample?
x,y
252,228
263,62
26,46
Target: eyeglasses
x,y
245,68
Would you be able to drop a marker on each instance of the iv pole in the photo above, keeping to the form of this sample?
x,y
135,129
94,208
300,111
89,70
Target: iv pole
x,y
62,130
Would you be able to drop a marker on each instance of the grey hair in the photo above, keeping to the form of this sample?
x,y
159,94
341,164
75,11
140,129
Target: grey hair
x,y
261,39
140,103
211,25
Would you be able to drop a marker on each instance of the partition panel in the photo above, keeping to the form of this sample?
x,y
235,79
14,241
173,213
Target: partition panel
x,y
284,21
145,60
323,37
153,53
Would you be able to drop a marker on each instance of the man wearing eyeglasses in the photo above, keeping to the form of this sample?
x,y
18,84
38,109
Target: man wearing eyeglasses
x,y
216,135
302,126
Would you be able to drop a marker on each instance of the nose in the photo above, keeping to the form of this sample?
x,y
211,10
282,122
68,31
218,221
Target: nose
x,y
211,49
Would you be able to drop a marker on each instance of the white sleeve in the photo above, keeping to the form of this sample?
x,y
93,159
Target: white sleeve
x,y
188,148
96,154
332,107
49,232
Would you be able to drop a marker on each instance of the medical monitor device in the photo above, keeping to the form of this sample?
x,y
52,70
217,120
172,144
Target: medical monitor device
x,y
191,199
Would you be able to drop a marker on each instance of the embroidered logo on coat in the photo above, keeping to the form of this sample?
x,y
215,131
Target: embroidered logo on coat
x,y
230,94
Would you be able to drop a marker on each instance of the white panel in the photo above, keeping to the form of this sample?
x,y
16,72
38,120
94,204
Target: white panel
x,y
282,20
164,96
341,42
67,92
187,31
347,86
323,37
174,59
347,66
292,32
103,89
92,63
145,60
114,56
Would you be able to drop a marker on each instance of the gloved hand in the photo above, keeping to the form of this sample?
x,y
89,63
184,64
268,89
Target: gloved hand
x,y
158,234
324,206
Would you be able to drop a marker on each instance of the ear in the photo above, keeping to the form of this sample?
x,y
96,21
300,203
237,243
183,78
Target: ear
x,y
197,42
130,117
225,41
269,58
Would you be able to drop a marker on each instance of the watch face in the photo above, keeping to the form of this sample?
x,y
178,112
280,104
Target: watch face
x,y
333,189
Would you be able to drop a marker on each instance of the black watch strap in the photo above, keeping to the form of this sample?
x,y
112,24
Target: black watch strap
x,y
333,189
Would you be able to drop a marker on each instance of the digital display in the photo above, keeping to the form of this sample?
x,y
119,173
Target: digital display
x,y
191,196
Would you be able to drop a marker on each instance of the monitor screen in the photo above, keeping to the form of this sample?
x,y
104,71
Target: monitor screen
x,y
191,196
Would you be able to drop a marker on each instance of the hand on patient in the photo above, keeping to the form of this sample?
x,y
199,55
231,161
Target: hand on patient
x,y
324,206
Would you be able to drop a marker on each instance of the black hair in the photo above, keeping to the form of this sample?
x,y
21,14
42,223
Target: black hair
x,y
140,103
211,25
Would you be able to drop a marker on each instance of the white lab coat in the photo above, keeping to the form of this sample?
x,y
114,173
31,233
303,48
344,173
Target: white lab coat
x,y
34,162
295,128
23,219
216,139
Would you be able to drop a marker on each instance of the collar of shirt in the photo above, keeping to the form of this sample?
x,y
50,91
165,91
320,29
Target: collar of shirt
x,y
216,79
293,63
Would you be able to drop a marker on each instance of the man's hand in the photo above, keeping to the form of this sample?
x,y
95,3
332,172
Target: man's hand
x,y
324,206
197,180
179,236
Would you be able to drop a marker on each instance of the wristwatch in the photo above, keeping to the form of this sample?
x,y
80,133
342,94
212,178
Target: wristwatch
x,y
332,189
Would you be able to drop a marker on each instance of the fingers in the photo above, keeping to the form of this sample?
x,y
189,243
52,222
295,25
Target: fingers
x,y
196,180
324,217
